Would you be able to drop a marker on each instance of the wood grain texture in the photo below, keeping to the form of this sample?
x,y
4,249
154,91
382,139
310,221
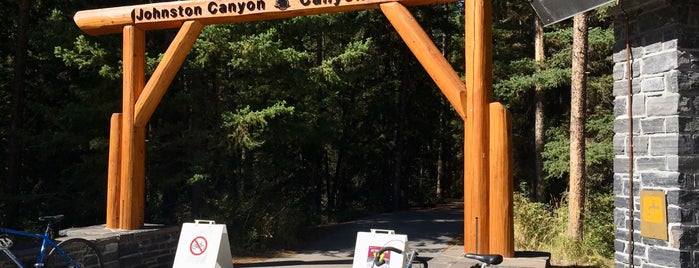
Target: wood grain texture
x,y
131,199
113,172
478,47
501,183
112,20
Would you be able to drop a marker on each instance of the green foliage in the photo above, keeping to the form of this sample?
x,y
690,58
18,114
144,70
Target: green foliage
x,y
246,127
542,227
86,55
556,153
277,126
599,151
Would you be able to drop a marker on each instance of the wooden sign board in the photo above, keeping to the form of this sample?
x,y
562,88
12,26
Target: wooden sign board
x,y
653,214
167,15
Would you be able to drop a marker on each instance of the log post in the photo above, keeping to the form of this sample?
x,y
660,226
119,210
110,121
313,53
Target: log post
x,y
113,172
132,197
479,78
501,184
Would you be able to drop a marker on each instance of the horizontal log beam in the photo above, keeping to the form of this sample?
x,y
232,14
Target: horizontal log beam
x,y
167,15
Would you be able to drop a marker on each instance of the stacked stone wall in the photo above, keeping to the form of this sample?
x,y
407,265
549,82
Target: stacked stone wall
x,y
152,248
664,37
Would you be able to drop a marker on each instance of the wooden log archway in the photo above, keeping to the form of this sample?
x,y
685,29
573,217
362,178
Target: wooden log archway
x,y
488,226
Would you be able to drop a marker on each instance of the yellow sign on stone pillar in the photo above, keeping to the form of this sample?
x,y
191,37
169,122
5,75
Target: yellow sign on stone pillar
x,y
653,214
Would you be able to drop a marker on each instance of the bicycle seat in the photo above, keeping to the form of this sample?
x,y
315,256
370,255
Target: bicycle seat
x,y
489,259
51,219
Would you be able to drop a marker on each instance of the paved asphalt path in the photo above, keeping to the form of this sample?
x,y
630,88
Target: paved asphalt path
x,y
430,231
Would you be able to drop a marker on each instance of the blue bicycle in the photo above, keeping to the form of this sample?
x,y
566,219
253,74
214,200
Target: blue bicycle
x,y
71,253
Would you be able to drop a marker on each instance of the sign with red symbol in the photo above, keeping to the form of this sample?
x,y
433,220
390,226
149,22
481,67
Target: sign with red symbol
x,y
198,246
372,242
203,244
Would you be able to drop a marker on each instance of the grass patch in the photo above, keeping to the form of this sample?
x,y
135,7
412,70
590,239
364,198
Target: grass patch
x,y
542,227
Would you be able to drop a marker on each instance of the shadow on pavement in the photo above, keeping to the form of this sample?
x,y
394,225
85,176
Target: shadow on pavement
x,y
424,227
294,263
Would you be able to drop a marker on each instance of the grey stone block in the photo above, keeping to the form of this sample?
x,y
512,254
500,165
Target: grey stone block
x,y
621,202
672,124
621,87
653,48
620,245
664,144
689,164
621,164
651,163
653,242
662,105
659,63
674,214
653,125
640,145
687,81
659,179
653,84
688,124
619,143
619,71
620,106
673,163
672,81
686,105
670,44
668,256
689,216
620,219
639,105
621,125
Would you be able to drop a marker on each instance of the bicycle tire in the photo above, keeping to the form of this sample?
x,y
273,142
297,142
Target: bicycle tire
x,y
82,251
7,262
419,263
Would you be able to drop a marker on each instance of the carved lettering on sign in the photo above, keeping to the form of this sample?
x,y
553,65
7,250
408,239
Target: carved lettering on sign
x,y
210,9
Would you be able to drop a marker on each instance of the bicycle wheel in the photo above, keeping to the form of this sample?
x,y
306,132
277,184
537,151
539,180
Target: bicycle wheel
x,y
419,263
82,251
6,262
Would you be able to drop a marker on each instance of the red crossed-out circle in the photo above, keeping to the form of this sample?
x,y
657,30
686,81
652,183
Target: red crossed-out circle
x,y
198,245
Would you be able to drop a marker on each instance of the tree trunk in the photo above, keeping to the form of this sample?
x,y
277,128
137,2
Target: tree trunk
x,y
539,127
576,194
440,169
15,139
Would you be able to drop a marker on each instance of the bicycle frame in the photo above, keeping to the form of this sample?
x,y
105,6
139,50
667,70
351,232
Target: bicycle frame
x,y
45,241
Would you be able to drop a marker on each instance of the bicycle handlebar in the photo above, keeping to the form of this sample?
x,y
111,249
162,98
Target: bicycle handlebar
x,y
378,261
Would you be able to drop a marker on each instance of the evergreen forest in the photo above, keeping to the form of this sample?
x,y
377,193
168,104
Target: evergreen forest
x,y
282,125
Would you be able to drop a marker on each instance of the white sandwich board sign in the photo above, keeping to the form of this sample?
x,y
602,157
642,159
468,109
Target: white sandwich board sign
x,y
203,244
369,243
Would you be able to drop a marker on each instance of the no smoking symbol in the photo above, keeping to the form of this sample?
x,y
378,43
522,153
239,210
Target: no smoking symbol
x,y
198,246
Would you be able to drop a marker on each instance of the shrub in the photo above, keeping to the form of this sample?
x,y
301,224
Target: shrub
x,y
542,227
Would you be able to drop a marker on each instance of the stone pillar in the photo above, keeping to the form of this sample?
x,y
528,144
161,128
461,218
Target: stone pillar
x,y
664,37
